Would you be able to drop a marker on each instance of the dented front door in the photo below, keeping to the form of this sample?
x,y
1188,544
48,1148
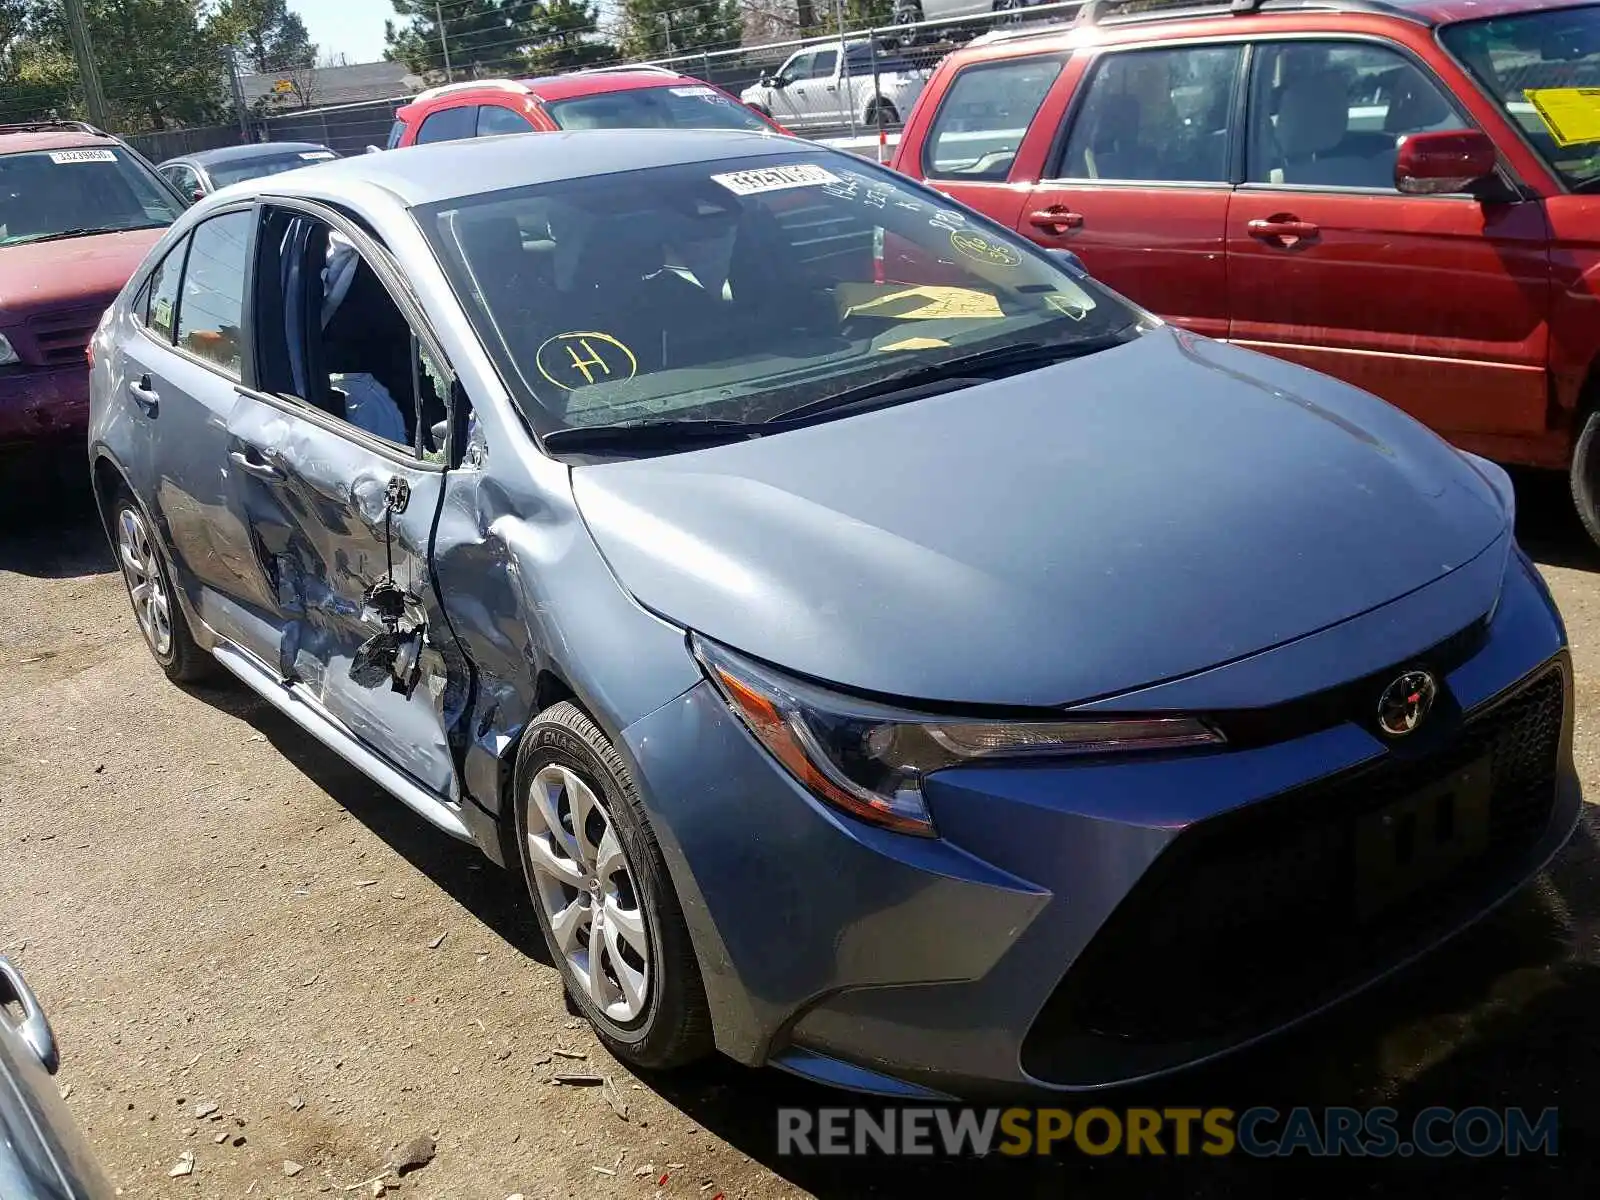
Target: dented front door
x,y
342,525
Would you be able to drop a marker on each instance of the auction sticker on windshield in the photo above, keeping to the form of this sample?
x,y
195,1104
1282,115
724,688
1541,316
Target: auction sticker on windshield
x,y
1571,114
77,156
775,179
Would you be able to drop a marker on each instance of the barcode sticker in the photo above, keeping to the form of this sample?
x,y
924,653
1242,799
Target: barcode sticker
x,y
318,154
775,179
692,91
77,156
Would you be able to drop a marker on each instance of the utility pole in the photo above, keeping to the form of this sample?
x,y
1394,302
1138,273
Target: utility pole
x,y
93,98
237,85
666,23
444,42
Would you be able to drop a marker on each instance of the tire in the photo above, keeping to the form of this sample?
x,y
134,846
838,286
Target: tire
x,y
642,992
155,603
908,13
890,116
763,110
1584,476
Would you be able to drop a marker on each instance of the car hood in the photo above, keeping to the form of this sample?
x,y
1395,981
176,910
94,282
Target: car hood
x,y
37,278
1052,537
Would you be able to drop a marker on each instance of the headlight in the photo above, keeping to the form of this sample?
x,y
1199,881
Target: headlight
x,y
869,759
7,354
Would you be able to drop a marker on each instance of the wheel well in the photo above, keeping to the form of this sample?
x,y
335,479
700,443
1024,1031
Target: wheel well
x,y
108,481
1588,397
548,689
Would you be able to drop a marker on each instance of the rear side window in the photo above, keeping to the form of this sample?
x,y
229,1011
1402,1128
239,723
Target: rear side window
x,y
495,118
162,293
1156,115
449,125
396,132
211,313
984,116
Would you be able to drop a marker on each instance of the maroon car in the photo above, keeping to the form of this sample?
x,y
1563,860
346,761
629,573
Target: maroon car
x,y
78,210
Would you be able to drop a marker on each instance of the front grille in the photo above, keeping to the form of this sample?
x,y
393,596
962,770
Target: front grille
x,y
62,338
1251,917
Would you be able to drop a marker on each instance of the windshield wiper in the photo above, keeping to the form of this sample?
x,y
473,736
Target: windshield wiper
x,y
658,435
85,231
981,364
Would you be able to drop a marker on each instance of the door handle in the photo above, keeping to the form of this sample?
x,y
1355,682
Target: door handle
x,y
833,87
34,1029
144,394
1282,229
253,464
1056,219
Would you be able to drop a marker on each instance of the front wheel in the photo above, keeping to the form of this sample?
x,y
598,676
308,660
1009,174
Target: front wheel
x,y
1584,476
603,899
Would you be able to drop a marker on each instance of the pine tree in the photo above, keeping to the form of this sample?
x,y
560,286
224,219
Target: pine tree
x,y
496,37
662,28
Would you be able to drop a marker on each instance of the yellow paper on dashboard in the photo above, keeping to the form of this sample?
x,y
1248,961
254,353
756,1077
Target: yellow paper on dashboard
x,y
915,302
1572,115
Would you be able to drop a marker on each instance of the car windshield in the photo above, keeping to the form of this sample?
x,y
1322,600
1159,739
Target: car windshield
x,y
683,105
743,289
267,164
79,191
1535,64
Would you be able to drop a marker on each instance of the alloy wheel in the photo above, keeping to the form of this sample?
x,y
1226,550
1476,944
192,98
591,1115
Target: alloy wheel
x,y
586,887
146,585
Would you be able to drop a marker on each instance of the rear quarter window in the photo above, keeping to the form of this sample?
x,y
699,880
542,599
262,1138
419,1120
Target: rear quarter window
x,y
984,115
449,125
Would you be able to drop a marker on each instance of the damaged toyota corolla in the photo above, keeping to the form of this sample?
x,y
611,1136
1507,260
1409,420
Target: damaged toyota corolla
x,y
884,652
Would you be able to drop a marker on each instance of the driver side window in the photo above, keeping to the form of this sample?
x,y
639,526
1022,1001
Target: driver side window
x,y
333,337
797,68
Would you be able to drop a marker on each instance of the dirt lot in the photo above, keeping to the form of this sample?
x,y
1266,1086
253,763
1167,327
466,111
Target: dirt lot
x,y
217,912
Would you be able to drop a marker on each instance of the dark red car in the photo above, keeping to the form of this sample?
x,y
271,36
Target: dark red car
x,y
78,211
635,97
1402,193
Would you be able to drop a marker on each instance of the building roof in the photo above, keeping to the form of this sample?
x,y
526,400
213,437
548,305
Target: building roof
x,y
328,86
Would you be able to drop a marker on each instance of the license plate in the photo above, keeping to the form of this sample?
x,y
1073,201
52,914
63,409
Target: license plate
x,y
1416,841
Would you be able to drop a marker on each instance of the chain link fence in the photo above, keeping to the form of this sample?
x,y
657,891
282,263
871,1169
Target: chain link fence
x,y
917,48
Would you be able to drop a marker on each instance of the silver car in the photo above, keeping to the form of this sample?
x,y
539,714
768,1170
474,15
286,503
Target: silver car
x,y
861,631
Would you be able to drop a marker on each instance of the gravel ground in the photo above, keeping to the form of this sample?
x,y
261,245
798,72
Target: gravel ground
x,y
238,941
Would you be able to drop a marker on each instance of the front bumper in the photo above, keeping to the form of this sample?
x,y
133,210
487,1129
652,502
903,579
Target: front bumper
x,y
43,403
1081,925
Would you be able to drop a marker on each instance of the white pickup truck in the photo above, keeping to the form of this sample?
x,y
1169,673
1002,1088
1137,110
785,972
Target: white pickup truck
x,y
817,89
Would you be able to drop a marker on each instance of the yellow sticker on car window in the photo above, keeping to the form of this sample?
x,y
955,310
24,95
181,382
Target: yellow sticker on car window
x,y
984,249
1571,114
915,302
917,343
578,359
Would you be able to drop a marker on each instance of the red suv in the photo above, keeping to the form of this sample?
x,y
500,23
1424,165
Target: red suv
x,y
1402,193
78,211
604,98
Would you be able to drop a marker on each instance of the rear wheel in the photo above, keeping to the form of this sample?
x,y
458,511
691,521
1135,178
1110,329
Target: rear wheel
x,y
907,12
885,109
1584,475
601,892
155,605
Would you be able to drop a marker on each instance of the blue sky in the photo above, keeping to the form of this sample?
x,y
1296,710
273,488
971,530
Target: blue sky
x,y
353,28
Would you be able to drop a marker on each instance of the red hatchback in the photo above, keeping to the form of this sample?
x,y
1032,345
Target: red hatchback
x,y
637,97
78,211
1401,193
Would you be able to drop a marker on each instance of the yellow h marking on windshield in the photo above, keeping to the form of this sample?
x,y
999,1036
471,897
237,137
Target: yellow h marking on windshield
x,y
583,364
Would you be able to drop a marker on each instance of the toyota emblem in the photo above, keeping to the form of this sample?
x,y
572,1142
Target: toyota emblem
x,y
1405,703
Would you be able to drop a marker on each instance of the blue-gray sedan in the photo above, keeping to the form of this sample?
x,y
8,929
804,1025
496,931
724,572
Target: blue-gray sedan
x,y
884,652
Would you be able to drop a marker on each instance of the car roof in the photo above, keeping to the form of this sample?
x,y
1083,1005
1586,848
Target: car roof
x,y
22,140
420,175
1145,19
226,154
595,83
